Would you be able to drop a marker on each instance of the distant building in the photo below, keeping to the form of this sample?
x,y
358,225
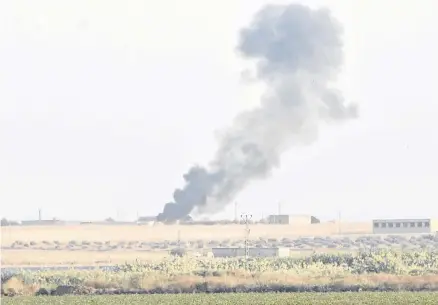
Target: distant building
x,y
292,219
160,219
388,226
5,222
49,222
252,252
107,223
147,218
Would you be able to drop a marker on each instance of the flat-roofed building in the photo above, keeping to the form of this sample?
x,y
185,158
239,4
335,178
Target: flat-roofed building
x,y
388,226
252,252
292,219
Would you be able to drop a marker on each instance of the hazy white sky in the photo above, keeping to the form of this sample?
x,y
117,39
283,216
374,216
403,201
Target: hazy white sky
x,y
105,104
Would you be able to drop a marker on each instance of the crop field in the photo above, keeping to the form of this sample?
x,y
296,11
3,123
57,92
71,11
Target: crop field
x,y
375,298
94,245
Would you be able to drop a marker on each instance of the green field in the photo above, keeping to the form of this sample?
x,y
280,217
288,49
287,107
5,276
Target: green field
x,y
374,298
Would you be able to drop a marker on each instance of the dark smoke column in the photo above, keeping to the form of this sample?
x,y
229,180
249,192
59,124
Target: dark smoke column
x,y
298,52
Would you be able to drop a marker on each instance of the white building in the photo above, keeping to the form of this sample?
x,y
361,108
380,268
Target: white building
x,y
388,226
253,252
292,219
146,220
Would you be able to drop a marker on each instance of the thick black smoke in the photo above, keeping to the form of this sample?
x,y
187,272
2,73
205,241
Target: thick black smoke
x,y
298,53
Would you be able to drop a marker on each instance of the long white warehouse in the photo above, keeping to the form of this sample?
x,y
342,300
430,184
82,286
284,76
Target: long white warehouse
x,y
388,226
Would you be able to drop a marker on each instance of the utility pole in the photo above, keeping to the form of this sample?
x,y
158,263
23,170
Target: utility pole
x,y
179,240
246,219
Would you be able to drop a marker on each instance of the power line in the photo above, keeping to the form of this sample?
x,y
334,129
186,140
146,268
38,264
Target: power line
x,y
179,240
246,219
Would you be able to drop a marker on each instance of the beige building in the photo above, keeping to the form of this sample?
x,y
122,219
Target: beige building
x,y
388,226
292,219
49,222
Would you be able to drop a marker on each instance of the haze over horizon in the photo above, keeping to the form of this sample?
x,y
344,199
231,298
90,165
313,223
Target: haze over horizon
x,y
105,105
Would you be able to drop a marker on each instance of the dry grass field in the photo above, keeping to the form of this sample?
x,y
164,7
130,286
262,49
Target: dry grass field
x,y
112,244
32,257
160,233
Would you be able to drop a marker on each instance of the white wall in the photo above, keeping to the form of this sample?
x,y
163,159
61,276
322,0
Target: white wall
x,y
228,252
279,219
263,252
253,252
300,219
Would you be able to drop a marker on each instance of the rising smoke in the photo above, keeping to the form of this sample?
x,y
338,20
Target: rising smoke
x,y
298,52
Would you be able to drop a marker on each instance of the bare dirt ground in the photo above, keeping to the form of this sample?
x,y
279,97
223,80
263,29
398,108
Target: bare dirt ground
x,y
106,244
160,233
77,258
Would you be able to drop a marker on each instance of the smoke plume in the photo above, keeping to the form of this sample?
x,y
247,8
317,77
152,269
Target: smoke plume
x,y
298,52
